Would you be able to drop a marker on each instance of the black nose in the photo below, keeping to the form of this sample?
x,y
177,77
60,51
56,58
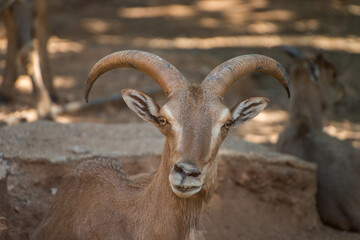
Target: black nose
x,y
186,170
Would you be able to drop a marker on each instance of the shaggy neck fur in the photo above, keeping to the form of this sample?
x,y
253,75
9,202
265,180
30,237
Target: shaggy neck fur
x,y
163,215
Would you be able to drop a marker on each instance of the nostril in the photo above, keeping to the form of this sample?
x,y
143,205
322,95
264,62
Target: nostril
x,y
195,174
178,169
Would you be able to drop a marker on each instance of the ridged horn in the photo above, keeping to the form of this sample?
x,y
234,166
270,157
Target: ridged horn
x,y
165,74
224,75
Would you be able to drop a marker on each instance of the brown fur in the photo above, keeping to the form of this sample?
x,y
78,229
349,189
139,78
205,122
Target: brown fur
x,y
120,208
338,162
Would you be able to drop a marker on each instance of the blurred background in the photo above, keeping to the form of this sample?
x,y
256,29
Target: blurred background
x,y
195,36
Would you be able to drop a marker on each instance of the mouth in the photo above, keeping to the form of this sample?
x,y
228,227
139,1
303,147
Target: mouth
x,y
186,188
185,191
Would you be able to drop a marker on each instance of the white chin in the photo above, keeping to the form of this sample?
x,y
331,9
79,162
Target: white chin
x,y
185,192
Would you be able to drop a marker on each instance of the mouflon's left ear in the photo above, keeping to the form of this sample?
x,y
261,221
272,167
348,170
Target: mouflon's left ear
x,y
248,109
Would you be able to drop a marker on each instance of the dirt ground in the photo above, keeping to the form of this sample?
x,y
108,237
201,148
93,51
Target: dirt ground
x,y
195,36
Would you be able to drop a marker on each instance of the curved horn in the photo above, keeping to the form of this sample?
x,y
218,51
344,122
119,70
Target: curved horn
x,y
221,78
165,74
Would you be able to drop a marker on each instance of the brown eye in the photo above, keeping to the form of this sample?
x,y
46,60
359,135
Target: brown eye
x,y
162,121
228,124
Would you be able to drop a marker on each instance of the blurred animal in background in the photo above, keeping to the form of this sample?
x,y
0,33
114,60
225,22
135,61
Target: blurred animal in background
x,y
26,28
314,87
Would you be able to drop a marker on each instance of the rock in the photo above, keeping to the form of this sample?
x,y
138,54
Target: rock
x,y
50,141
4,200
59,143
256,189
